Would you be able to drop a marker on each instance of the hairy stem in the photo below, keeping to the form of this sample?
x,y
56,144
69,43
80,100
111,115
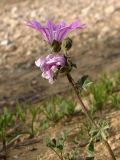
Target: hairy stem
x,y
71,81
60,156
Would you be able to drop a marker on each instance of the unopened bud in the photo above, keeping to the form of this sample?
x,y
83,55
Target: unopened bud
x,y
67,43
56,46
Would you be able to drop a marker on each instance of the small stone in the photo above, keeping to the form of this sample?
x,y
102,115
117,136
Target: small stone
x,y
33,14
117,137
34,82
12,103
98,17
14,10
29,53
5,42
109,10
83,143
17,35
15,157
113,146
103,32
78,107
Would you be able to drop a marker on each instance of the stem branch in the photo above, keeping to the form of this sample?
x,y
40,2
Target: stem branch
x,y
71,81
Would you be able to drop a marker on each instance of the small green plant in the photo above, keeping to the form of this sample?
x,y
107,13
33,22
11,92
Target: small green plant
x,y
117,78
83,134
81,83
107,83
100,96
72,155
20,114
6,119
67,107
57,144
44,123
91,135
96,135
115,101
56,109
101,92
90,150
33,112
52,112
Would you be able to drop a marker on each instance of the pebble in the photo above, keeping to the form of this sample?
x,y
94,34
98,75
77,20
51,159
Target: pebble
x,y
33,14
5,42
109,10
103,32
15,157
29,52
117,137
34,82
14,10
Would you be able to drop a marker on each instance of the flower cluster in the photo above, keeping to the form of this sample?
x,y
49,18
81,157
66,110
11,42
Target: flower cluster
x,y
54,34
50,64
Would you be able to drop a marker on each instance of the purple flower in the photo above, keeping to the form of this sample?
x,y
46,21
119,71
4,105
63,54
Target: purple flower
x,y
51,31
50,64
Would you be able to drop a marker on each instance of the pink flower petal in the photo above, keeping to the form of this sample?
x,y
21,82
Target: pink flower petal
x,y
51,31
49,65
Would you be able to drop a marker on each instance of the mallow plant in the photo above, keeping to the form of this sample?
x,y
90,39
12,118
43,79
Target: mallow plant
x,y
59,61
57,145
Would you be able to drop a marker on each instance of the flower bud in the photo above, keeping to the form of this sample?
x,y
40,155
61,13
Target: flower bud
x,y
56,46
67,44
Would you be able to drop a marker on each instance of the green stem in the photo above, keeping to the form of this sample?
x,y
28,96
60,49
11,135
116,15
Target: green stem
x,y
32,129
60,156
71,81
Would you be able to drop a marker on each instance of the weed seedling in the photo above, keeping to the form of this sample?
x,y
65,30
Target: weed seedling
x,y
57,144
52,112
67,107
116,101
100,96
6,119
34,112
96,135
20,114
117,78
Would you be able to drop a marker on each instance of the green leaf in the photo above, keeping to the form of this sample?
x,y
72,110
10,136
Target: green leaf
x,y
65,134
60,147
89,158
90,149
74,65
54,141
20,113
81,81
